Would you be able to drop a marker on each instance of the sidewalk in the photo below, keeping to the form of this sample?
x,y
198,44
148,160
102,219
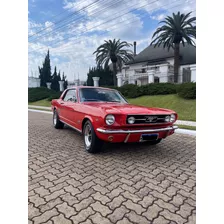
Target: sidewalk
x,y
180,122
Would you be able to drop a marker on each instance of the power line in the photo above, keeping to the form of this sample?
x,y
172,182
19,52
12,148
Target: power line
x,y
58,22
109,20
71,22
116,24
146,14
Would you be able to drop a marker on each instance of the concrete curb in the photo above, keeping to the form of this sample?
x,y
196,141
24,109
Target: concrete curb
x,y
39,107
179,131
40,111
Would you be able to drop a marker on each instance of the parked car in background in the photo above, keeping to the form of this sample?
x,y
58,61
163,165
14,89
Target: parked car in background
x,y
104,115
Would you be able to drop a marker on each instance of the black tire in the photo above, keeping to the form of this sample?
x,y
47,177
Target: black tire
x,y
154,142
91,142
56,122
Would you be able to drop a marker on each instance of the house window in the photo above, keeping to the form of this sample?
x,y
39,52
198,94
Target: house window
x,y
143,70
156,79
186,75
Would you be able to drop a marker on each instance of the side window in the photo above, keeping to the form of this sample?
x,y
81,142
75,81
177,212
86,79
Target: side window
x,y
70,96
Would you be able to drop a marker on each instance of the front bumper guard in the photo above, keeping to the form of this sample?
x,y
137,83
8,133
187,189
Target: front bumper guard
x,y
129,132
110,131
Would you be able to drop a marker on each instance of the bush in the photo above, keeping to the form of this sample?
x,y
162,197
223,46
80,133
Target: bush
x,y
187,90
40,93
158,89
133,91
54,96
130,90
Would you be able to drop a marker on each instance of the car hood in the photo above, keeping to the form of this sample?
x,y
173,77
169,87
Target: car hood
x,y
118,108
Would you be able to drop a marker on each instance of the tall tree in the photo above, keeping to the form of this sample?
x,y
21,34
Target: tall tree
x,y
54,81
180,28
113,50
105,74
65,81
45,71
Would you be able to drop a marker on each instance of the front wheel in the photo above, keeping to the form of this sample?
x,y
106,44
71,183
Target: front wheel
x,y
91,142
56,122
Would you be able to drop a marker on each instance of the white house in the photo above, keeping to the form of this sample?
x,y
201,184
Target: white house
x,y
156,65
33,82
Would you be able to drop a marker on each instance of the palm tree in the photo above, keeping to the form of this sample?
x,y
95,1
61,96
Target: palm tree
x,y
179,28
113,51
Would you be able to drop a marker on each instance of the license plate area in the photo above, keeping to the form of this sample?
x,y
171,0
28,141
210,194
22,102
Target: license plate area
x,y
149,137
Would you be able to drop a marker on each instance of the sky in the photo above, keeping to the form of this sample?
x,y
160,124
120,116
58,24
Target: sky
x,y
73,29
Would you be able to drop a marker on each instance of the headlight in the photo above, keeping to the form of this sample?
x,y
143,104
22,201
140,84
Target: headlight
x,y
110,119
167,119
172,118
131,120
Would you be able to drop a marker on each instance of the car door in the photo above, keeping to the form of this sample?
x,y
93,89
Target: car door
x,y
64,106
71,108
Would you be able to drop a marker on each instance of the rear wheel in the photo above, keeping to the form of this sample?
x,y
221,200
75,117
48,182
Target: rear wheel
x,y
56,122
91,142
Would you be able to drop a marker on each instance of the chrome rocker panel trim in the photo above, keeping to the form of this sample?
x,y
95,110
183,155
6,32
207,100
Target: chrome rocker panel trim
x,y
109,131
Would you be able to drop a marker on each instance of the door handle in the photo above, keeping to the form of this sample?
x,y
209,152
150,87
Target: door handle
x,y
62,103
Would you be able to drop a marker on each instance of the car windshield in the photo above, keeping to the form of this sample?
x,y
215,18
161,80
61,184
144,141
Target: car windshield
x,y
99,95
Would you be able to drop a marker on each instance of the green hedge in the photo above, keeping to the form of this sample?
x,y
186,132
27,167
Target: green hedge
x,y
40,93
133,91
187,90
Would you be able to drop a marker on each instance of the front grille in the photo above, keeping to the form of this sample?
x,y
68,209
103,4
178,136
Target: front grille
x,y
147,119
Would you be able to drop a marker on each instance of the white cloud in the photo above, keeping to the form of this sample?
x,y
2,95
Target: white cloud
x,y
48,24
71,48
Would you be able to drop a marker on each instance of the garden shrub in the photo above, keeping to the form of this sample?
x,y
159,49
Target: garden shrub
x,y
158,89
40,93
54,96
187,90
133,91
130,90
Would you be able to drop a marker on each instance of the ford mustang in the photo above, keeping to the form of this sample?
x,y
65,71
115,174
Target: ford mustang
x,y
104,115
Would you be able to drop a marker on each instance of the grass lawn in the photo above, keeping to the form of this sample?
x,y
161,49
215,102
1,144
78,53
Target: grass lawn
x,y
186,127
43,103
186,109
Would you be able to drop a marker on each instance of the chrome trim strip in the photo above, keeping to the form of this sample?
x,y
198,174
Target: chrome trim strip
x,y
109,131
72,127
148,123
143,119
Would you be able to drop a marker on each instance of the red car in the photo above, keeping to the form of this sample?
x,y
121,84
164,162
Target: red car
x,y
104,115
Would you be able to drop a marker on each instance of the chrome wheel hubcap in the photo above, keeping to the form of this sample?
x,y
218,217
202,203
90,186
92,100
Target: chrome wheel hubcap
x,y
55,118
88,136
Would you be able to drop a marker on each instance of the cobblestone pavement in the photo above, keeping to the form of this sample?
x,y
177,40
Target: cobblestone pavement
x,y
132,183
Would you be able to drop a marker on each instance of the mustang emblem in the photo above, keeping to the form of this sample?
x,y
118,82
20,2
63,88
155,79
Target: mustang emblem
x,y
150,118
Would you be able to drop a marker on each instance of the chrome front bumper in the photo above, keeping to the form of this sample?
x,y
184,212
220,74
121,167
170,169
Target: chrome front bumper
x,y
110,131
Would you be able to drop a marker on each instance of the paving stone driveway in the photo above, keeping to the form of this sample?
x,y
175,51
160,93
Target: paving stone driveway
x,y
123,184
